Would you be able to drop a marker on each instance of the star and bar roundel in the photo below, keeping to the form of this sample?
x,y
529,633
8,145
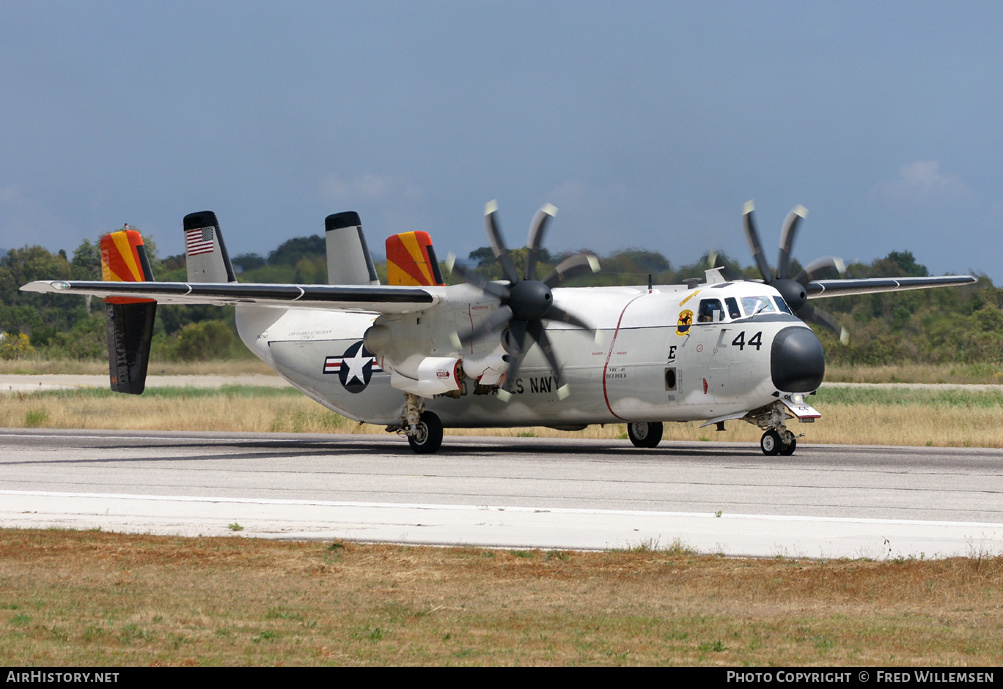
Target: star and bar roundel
x,y
354,368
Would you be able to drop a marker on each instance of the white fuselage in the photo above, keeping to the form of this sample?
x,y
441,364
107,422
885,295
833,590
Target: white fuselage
x,y
653,360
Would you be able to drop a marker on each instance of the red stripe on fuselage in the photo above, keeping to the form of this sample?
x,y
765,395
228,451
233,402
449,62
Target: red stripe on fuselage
x,y
609,355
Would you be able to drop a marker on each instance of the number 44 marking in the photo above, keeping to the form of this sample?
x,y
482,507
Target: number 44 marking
x,y
754,341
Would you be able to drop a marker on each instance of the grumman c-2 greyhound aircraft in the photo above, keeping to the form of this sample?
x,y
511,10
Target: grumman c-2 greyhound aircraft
x,y
418,356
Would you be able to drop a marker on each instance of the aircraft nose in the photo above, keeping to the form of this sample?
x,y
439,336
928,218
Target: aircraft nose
x,y
797,362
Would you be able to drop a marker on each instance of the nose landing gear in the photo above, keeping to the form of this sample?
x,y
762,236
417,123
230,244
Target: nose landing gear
x,y
773,442
777,440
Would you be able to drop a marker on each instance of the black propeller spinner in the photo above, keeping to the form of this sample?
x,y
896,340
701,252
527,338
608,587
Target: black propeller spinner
x,y
525,302
793,289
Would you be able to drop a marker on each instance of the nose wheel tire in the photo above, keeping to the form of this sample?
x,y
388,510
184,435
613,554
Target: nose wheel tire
x,y
770,443
644,434
428,434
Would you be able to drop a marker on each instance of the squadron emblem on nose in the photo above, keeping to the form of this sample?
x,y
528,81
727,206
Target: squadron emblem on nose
x,y
684,322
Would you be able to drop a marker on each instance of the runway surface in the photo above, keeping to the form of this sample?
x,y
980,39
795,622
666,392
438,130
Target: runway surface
x,y
826,501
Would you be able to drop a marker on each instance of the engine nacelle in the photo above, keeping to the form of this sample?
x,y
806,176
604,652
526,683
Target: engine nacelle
x,y
436,376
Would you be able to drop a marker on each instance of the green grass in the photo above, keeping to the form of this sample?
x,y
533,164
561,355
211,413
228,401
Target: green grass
x,y
930,397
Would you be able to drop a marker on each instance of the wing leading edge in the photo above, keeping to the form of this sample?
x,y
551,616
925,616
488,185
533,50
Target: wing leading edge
x,y
818,289
363,298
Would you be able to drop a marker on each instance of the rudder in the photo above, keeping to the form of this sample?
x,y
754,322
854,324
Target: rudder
x,y
411,260
205,252
129,321
348,259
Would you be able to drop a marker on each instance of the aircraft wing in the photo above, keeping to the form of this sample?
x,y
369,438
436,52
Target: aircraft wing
x,y
841,287
363,298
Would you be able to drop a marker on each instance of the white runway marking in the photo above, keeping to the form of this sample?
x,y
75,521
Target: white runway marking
x,y
500,526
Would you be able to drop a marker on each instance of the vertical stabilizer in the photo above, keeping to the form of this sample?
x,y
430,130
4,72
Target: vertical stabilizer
x,y
205,251
411,260
129,321
348,259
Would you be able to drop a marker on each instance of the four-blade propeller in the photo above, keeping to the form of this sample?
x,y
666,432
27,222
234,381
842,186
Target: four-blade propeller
x,y
793,289
526,302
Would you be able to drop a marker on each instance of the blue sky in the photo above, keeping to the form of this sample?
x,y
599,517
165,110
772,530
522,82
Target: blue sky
x,y
648,124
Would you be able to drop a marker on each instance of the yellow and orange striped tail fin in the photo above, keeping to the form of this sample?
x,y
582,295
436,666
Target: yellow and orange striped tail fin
x,y
411,260
129,320
124,259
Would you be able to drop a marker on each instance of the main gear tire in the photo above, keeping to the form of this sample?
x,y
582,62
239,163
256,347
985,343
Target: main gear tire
x,y
428,434
645,434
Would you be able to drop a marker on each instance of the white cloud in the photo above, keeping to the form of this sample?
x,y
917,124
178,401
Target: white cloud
x,y
921,181
365,188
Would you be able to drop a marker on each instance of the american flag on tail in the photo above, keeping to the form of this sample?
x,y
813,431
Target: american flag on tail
x,y
199,241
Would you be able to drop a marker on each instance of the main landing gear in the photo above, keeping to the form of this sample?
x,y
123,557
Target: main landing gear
x,y
427,436
772,443
422,428
644,434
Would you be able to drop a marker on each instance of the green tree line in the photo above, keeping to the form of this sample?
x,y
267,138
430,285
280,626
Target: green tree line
x,y
962,325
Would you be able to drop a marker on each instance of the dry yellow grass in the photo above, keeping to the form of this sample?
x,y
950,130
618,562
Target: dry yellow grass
x,y
977,422
38,365
71,598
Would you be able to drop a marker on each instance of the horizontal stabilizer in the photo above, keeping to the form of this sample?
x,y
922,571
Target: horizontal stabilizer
x,y
358,298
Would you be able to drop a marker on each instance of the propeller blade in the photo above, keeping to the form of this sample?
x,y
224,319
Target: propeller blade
x,y
729,274
570,267
497,243
787,239
556,313
536,232
478,281
493,323
752,237
516,351
493,288
538,333
825,319
820,266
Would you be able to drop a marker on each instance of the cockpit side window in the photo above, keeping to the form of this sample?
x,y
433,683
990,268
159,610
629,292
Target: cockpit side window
x,y
710,311
782,305
732,305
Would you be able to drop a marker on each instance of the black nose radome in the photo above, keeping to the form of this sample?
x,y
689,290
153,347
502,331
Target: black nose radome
x,y
797,362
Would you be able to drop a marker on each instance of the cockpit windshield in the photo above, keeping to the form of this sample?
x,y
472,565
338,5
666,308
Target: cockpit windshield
x,y
756,305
